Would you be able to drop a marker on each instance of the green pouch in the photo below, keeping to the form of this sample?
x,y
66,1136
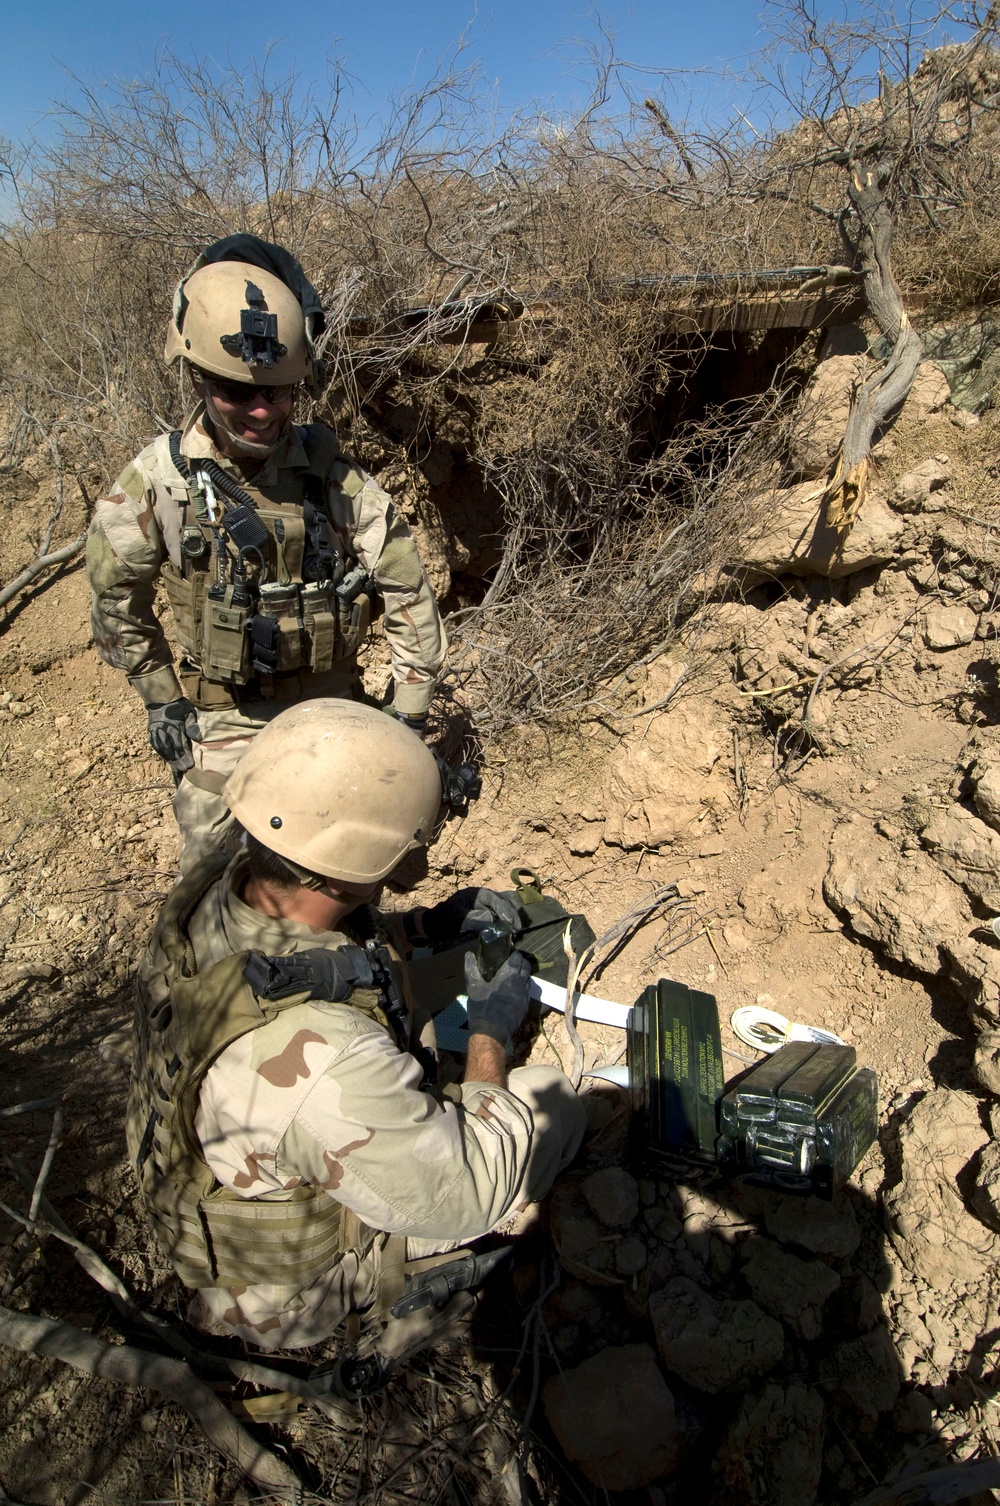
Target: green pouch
x,y
543,926
436,979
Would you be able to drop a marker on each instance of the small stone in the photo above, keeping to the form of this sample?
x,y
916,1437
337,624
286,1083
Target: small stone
x,y
949,627
913,1413
772,1454
736,936
45,972
712,848
713,1345
612,1196
648,1192
630,1256
615,1417
913,489
662,1222
584,842
864,1373
789,1288
688,888
810,1223
19,708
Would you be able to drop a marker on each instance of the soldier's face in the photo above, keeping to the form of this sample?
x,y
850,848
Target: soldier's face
x,y
248,421
324,909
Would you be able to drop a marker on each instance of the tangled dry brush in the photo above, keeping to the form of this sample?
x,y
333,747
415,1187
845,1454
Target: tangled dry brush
x,y
513,336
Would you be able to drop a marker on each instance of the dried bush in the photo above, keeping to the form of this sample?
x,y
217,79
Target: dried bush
x,y
607,519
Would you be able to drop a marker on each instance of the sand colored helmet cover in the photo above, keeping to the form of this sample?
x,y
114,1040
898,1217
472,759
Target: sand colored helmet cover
x,y
239,322
339,788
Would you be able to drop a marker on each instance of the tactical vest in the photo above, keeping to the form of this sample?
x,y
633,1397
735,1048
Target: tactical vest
x,y
265,586
184,1019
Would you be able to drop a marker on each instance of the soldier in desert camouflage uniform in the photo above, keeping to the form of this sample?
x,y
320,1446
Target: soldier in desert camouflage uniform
x,y
293,1155
271,543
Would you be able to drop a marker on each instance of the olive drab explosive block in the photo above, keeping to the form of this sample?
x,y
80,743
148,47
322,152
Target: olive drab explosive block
x,y
798,1122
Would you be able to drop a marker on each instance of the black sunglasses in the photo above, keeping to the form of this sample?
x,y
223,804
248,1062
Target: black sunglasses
x,y
243,392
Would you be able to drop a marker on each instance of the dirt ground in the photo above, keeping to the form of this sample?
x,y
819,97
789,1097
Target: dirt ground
x,y
754,817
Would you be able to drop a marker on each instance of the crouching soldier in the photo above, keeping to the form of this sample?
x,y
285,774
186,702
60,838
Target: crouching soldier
x,y
297,1164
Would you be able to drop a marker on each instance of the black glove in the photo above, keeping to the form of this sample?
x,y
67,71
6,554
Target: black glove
x,y
172,729
330,973
497,1006
467,913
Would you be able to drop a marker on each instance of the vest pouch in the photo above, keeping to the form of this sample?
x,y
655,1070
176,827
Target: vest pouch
x,y
187,603
361,616
319,624
224,634
282,603
353,612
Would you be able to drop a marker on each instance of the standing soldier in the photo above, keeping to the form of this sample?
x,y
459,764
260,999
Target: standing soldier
x,y
270,542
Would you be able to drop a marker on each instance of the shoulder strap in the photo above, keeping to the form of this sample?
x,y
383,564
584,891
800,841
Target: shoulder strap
x,y
181,903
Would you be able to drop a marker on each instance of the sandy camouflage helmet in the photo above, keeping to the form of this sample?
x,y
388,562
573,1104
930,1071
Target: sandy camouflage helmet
x,y
339,788
242,323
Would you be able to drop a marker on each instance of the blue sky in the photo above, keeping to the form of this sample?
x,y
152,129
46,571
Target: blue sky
x,y
525,46
529,50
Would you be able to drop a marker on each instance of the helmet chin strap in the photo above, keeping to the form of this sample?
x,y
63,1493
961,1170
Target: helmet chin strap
x,y
243,447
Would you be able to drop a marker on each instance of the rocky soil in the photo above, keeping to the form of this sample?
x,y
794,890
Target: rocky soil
x,y
811,784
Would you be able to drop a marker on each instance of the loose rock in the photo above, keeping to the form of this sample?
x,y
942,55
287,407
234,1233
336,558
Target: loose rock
x,y
788,1288
900,900
612,1196
935,1235
615,1417
949,627
913,489
580,1241
800,541
772,1454
823,1228
986,791
661,776
713,1345
864,1373
913,1413
968,850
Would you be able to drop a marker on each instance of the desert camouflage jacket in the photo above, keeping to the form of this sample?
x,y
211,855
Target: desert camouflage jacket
x,y
138,527
323,1094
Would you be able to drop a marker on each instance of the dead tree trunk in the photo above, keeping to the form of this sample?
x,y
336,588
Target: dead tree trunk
x,y
877,396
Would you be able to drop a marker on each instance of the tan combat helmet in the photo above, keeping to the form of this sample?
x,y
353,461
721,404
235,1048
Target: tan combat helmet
x,y
338,788
240,322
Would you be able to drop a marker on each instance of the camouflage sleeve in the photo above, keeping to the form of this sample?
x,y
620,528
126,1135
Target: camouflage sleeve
x,y
324,1096
403,1160
383,543
124,555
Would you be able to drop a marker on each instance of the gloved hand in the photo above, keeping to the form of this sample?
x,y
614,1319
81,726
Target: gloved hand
x,y
337,972
467,913
498,1005
330,973
173,727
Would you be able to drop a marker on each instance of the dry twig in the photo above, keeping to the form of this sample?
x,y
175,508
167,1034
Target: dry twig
x,y
170,1377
